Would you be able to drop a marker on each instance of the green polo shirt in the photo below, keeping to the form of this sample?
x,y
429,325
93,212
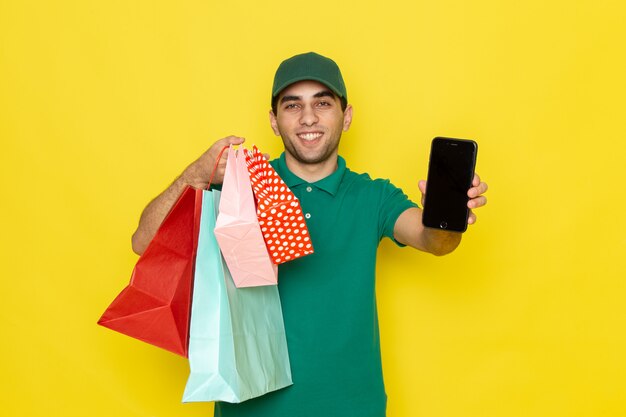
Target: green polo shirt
x,y
329,300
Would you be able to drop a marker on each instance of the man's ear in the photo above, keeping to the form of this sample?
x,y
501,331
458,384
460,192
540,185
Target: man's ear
x,y
347,118
274,123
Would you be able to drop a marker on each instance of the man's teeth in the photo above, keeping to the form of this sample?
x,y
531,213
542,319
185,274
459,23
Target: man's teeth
x,y
309,136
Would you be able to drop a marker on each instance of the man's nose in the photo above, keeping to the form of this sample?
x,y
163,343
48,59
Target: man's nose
x,y
308,116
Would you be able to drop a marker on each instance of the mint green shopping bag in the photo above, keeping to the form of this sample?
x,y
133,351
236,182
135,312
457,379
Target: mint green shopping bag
x,y
237,343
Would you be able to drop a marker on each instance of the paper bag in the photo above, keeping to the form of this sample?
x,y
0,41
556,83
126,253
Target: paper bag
x,y
278,210
155,306
237,228
237,345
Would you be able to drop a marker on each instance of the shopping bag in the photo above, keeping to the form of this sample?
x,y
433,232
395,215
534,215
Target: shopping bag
x,y
278,210
237,343
155,306
237,228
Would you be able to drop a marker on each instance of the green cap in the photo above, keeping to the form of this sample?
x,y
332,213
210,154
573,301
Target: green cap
x,y
309,66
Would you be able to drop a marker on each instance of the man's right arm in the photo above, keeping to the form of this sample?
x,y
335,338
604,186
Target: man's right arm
x,y
198,175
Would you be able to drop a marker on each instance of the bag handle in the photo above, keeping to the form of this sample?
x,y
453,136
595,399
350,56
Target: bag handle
x,y
217,161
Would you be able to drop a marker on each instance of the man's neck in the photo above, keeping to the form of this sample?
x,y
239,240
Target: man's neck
x,y
311,172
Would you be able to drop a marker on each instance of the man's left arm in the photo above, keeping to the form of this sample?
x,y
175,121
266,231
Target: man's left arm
x,y
410,231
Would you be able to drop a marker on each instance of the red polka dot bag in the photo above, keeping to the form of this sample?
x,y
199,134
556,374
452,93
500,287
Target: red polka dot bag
x,y
278,210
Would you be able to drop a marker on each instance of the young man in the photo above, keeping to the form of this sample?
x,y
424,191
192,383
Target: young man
x,y
328,298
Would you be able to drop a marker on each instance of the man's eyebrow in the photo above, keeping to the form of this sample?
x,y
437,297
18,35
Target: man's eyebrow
x,y
290,98
324,93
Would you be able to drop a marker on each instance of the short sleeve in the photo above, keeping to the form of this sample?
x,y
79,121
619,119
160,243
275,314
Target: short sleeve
x,y
392,204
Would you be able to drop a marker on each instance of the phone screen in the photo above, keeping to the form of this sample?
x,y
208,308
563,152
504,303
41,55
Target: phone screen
x,y
450,174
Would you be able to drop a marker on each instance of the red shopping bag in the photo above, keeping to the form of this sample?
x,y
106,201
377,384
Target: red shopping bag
x,y
279,212
155,307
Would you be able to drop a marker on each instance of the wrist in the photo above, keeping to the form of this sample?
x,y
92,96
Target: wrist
x,y
192,176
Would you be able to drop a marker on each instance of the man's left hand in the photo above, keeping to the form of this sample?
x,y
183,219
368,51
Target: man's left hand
x,y
475,194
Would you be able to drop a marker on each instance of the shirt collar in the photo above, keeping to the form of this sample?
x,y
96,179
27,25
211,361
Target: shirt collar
x,y
330,184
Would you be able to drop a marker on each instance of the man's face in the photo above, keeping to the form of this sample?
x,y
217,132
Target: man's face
x,y
310,121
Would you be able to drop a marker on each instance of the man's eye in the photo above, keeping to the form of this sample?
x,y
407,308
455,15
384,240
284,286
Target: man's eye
x,y
323,104
291,106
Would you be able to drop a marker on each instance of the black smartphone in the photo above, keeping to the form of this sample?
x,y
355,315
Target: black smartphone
x,y
450,173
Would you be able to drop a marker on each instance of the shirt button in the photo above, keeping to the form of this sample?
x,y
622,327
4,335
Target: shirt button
x,y
307,216
309,189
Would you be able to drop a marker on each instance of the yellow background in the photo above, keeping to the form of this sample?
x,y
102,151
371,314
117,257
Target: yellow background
x,y
103,103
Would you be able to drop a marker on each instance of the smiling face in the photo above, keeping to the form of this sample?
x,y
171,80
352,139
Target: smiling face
x,y
310,121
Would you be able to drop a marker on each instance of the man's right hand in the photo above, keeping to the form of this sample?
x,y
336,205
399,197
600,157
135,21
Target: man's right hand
x,y
198,175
